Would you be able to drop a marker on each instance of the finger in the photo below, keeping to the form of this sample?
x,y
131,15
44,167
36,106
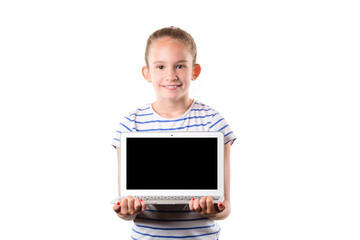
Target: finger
x,y
203,204
221,206
131,202
191,204
116,207
137,205
124,206
197,205
210,205
143,205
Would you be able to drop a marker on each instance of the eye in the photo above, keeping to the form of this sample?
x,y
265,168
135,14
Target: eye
x,y
180,66
160,67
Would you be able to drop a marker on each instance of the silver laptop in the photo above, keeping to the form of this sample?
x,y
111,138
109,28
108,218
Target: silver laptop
x,y
171,167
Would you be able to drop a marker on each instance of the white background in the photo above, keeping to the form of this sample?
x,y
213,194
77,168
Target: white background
x,y
285,75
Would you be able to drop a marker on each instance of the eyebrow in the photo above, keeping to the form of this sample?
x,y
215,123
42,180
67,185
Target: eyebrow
x,y
181,61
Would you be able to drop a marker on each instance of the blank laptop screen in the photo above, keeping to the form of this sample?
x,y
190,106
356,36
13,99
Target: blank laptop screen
x,y
171,163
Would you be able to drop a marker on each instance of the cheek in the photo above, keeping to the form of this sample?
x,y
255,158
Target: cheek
x,y
188,76
157,74
156,81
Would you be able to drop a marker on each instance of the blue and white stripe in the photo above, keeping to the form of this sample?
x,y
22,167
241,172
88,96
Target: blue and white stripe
x,y
199,117
174,221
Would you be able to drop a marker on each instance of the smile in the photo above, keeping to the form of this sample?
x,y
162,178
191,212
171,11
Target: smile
x,y
171,87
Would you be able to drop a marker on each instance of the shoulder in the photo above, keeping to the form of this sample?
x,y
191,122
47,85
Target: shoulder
x,y
129,120
201,107
218,122
142,111
204,109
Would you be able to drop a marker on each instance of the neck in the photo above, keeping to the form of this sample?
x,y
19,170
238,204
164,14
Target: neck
x,y
172,109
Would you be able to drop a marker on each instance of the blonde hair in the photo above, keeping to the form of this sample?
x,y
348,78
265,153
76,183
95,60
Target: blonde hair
x,y
176,34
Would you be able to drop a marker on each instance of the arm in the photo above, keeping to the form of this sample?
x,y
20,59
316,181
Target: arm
x,y
225,212
127,208
118,160
205,205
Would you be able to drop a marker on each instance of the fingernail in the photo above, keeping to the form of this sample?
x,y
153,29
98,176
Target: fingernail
x,y
118,203
140,200
193,199
220,204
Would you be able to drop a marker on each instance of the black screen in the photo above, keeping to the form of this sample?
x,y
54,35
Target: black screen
x,y
171,163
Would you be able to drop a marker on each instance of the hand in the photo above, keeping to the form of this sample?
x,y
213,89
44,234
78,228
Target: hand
x,y
206,207
129,207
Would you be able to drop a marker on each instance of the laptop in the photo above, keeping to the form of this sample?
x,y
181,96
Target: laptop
x,y
171,167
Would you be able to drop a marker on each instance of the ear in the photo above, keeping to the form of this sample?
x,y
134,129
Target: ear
x,y
196,72
146,73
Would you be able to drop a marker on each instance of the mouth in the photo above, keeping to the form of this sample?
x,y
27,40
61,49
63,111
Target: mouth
x,y
171,87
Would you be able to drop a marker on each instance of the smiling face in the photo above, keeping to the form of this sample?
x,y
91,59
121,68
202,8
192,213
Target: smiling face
x,y
170,69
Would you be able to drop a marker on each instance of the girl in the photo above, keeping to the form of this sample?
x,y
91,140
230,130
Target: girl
x,y
170,58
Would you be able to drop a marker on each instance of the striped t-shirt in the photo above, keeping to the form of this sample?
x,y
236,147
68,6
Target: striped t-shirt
x,y
174,221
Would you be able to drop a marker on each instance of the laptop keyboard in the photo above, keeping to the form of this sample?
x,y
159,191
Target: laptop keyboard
x,y
189,198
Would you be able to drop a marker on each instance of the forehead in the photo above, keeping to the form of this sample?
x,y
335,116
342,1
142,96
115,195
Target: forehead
x,y
168,46
168,40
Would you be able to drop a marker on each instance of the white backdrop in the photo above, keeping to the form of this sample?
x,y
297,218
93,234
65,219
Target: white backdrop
x,y
285,75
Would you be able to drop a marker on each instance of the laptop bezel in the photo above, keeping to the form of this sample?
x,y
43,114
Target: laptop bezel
x,y
197,192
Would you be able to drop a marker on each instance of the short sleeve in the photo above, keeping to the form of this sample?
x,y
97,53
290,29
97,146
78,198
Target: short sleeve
x,y
126,125
218,123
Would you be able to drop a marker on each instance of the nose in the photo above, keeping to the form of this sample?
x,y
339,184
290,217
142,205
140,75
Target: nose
x,y
171,74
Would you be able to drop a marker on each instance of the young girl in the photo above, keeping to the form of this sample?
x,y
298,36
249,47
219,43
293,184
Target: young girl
x,y
170,58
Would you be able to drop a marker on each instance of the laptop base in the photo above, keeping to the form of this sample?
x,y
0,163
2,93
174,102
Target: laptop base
x,y
168,199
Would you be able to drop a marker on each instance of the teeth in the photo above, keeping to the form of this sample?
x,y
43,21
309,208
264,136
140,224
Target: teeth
x,y
171,86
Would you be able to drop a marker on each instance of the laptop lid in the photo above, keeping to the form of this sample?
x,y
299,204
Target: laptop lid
x,y
172,164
